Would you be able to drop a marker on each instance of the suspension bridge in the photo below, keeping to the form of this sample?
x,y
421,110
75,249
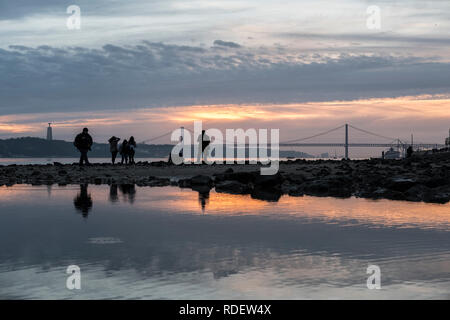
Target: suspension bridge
x,y
390,142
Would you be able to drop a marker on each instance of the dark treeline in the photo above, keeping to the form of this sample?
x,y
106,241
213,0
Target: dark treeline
x,y
41,148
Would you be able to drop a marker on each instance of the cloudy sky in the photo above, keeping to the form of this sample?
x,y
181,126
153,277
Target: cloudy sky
x,y
144,67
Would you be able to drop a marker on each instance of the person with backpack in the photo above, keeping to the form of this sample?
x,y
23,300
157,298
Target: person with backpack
x,y
83,142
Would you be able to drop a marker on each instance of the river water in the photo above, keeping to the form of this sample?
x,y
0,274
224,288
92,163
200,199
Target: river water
x,y
171,243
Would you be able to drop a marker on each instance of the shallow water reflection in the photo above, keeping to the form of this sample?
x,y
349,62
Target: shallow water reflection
x,y
133,242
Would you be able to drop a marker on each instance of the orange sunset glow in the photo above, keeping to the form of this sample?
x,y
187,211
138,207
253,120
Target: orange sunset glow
x,y
389,114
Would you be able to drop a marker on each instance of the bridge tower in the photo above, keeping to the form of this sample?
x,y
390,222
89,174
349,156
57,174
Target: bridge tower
x,y
346,141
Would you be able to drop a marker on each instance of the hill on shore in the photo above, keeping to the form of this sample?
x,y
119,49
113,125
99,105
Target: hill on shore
x,y
30,147
37,147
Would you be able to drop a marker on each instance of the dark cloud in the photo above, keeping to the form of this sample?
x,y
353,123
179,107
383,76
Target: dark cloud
x,y
228,44
47,78
377,37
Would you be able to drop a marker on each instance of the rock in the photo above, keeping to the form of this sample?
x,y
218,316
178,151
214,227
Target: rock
x,y
438,195
159,164
243,177
201,180
202,188
159,182
417,193
400,184
297,192
330,187
233,187
383,193
434,182
271,181
296,178
271,195
323,172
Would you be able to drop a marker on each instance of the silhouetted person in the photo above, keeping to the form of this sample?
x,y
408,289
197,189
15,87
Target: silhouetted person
x,y
203,141
124,151
83,142
83,200
131,149
409,152
113,148
113,197
382,155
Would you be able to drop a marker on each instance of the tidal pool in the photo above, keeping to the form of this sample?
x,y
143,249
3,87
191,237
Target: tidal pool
x,y
170,243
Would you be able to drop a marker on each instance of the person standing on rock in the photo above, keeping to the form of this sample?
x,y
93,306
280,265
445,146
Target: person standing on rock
x,y
124,151
203,142
113,142
83,142
409,152
131,149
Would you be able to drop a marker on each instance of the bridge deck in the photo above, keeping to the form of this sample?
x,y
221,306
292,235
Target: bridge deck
x,y
358,145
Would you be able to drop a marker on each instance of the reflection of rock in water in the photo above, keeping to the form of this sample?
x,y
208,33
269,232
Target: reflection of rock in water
x,y
203,195
113,196
128,191
83,200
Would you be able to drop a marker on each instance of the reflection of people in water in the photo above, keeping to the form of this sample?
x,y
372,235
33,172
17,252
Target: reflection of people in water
x,y
203,196
113,197
128,191
83,200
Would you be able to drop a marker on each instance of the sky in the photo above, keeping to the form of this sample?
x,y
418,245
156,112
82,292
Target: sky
x,y
146,67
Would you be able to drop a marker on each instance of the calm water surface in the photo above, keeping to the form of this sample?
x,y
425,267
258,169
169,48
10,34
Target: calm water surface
x,y
167,243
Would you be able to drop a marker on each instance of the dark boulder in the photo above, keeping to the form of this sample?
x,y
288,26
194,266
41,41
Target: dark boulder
x,y
272,195
201,180
243,177
269,181
233,187
400,184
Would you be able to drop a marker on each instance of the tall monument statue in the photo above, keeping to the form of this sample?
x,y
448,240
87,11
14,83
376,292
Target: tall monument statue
x,y
49,132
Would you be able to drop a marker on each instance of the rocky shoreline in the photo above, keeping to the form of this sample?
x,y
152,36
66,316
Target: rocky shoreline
x,y
424,179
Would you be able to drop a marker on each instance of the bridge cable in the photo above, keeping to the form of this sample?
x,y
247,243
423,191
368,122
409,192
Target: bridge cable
x,y
374,134
314,136
158,137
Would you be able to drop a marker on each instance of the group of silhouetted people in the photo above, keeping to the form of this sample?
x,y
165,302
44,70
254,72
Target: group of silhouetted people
x,y
127,149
